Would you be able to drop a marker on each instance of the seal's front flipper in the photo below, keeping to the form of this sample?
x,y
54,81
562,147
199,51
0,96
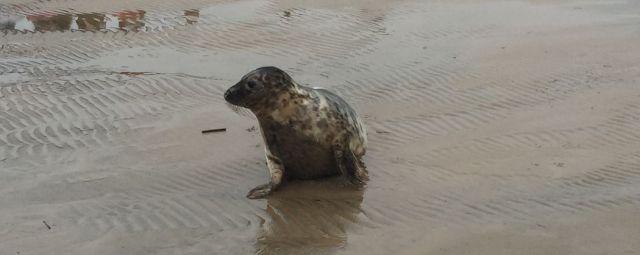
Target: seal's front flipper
x,y
260,191
276,171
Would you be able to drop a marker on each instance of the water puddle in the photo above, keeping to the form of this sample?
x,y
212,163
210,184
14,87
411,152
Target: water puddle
x,y
127,20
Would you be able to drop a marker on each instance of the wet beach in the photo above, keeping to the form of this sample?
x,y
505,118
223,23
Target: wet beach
x,y
495,127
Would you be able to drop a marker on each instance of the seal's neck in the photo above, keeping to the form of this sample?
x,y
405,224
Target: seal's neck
x,y
283,105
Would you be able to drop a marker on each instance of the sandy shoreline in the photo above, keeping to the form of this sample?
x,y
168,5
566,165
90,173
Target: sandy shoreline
x,y
495,127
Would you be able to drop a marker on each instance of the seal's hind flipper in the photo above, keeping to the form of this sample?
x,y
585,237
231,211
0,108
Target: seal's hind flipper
x,y
339,155
356,170
350,165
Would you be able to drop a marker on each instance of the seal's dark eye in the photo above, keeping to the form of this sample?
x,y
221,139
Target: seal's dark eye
x,y
251,84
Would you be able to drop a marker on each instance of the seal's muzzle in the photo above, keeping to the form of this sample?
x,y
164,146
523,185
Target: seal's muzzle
x,y
234,95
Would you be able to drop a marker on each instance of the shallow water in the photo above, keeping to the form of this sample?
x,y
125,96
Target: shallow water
x,y
495,127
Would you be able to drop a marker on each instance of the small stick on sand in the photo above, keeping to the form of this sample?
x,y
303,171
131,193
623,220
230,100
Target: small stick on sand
x,y
46,224
214,130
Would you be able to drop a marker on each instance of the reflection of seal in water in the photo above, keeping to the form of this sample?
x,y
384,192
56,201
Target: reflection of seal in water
x,y
310,218
309,132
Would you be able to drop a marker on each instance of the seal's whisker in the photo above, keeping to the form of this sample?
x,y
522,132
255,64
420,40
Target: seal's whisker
x,y
240,110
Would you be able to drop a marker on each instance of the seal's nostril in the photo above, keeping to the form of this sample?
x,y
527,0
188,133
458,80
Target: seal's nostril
x,y
227,94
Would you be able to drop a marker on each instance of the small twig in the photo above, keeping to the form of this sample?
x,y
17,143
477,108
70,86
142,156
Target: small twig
x,y
214,130
131,74
46,224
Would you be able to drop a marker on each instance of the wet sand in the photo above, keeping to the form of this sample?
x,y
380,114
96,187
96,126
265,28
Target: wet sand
x,y
495,127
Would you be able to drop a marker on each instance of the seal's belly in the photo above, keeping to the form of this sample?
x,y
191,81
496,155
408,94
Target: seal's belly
x,y
305,158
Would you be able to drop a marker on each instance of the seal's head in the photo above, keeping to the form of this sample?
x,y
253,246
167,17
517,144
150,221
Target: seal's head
x,y
258,87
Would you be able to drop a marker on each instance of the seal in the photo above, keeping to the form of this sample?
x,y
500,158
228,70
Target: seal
x,y
308,132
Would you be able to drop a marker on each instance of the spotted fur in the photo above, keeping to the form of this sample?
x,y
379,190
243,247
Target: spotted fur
x,y
308,132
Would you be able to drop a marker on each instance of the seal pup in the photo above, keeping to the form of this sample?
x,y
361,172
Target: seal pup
x,y
308,132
